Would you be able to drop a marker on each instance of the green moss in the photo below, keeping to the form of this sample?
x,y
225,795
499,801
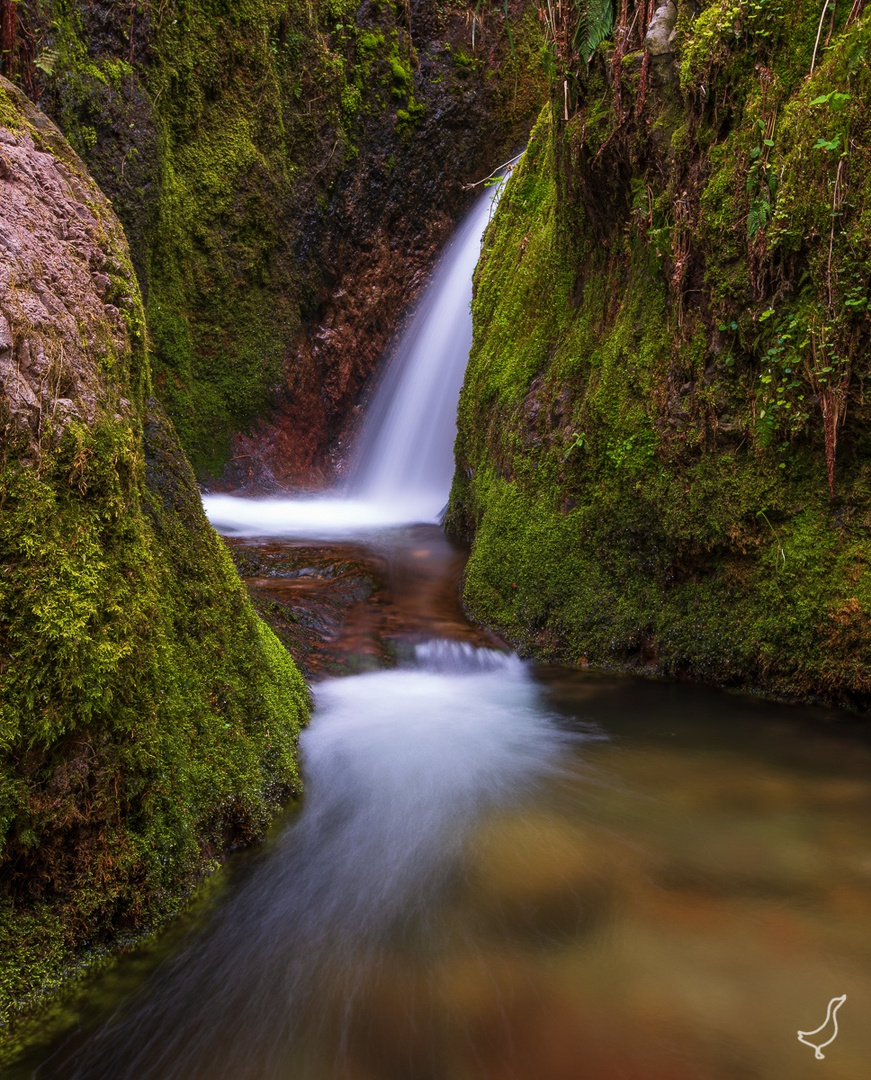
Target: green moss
x,y
370,42
9,115
149,720
644,477
402,78
409,118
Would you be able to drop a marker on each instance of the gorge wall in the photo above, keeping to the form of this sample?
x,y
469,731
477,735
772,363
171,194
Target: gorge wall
x,y
664,454
285,171
148,718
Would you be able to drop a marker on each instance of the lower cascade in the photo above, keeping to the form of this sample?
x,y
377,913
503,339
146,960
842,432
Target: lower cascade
x,y
500,869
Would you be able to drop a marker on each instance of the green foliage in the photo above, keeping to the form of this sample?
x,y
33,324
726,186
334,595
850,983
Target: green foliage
x,y
46,61
594,26
762,183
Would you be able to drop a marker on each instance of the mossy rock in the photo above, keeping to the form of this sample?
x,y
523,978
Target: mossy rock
x,y
148,718
663,434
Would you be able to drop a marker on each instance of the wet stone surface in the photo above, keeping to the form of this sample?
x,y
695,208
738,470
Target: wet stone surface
x,y
344,608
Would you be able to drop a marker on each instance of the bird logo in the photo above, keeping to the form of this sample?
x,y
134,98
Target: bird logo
x,y
831,1018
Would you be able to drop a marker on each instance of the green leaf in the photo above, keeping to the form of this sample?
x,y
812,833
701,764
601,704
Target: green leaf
x,y
594,26
508,28
757,218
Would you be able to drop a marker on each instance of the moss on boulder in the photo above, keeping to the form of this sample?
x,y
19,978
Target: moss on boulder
x,y
148,718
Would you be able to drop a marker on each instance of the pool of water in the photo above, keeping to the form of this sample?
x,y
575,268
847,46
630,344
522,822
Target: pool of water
x,y
509,871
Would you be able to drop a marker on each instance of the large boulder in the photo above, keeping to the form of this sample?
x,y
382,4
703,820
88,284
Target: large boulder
x,y
148,719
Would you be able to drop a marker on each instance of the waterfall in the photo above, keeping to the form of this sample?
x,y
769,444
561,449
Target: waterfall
x,y
405,454
401,471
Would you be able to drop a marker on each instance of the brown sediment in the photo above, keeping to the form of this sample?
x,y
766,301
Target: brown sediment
x,y
346,607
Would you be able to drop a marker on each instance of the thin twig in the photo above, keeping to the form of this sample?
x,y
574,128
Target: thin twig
x,y
836,203
831,27
819,31
505,165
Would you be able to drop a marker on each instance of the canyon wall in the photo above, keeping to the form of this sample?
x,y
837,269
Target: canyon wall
x,y
664,454
285,171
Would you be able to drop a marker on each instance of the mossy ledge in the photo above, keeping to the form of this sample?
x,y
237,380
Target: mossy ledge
x,y
148,719
664,436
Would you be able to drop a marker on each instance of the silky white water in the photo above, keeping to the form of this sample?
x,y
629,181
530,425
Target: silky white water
x,y
397,774
403,464
406,449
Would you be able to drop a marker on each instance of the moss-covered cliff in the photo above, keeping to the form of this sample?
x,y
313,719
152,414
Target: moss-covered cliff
x,y
148,718
664,435
284,170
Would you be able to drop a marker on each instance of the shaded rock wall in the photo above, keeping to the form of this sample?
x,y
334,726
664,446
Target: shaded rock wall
x,y
285,171
664,438
148,718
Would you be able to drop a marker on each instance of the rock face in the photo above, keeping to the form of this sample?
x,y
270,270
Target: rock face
x,y
148,719
664,433
656,40
286,171
64,280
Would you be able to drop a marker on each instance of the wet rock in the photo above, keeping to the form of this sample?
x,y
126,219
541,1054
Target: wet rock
x,y
658,39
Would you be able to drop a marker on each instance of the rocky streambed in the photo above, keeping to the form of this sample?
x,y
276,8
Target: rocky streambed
x,y
348,607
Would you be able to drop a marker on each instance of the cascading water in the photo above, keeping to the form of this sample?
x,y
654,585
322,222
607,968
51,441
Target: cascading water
x,y
405,452
402,467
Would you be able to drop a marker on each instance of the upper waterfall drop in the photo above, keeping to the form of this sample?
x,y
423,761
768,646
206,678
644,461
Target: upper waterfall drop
x,y
405,453
402,468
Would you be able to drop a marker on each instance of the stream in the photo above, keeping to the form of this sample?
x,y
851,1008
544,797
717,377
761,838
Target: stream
x,y
500,870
